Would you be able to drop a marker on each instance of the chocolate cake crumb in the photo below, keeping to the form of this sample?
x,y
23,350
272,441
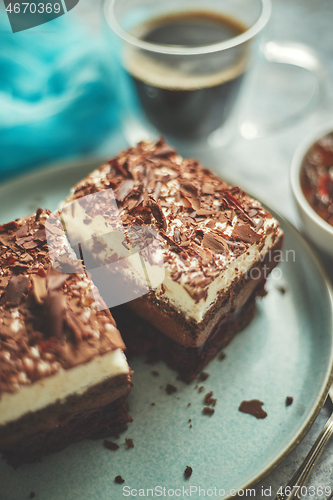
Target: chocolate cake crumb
x,y
155,373
253,407
188,405
222,356
170,389
119,480
152,404
208,400
208,411
129,443
188,472
289,400
201,389
189,420
109,445
190,426
203,376
32,494
281,289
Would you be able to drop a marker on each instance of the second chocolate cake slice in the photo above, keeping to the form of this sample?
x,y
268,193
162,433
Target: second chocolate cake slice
x,y
63,374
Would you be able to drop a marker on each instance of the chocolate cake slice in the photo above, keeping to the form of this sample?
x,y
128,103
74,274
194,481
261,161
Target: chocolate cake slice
x,y
63,373
219,245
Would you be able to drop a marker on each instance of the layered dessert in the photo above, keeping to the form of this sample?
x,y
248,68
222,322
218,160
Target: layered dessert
x,y
218,247
63,373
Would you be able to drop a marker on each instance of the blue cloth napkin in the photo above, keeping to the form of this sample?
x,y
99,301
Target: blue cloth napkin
x,y
58,93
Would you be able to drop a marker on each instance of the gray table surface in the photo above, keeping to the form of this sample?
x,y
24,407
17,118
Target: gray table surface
x,y
262,166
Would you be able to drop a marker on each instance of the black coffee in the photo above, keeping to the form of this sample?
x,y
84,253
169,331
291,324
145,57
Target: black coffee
x,y
188,97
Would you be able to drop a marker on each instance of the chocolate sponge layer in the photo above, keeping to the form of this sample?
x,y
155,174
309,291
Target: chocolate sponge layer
x,y
99,412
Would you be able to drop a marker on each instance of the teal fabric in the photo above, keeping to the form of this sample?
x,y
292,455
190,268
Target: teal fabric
x,y
58,93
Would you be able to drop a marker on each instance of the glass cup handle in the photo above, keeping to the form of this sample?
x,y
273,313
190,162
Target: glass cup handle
x,y
295,54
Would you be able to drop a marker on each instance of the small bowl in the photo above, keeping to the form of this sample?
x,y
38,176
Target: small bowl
x,y
316,229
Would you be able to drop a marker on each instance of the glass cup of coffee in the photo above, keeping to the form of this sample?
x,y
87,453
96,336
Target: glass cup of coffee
x,y
185,64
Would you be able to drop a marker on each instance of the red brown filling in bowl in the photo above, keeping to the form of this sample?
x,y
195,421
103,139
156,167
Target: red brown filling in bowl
x,y
317,177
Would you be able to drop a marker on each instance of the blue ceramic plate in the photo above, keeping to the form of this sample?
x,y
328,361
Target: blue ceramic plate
x,y
286,351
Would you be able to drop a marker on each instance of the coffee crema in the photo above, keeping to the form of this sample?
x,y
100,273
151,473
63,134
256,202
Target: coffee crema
x,y
188,96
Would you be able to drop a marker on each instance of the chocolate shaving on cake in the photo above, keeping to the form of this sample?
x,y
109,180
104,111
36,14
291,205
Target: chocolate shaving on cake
x,y
38,214
229,197
214,242
39,288
157,213
176,235
163,151
289,400
16,290
207,188
22,232
10,226
191,193
123,169
243,232
124,190
259,225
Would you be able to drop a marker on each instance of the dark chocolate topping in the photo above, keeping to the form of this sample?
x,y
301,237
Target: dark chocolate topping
x,y
202,222
48,320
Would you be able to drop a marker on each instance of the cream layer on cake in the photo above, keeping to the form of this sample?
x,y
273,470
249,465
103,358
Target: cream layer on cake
x,y
49,390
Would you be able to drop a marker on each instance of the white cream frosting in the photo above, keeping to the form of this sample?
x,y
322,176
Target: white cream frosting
x,y
49,390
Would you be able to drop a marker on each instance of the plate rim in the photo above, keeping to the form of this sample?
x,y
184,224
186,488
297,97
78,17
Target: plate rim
x,y
94,162
328,381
